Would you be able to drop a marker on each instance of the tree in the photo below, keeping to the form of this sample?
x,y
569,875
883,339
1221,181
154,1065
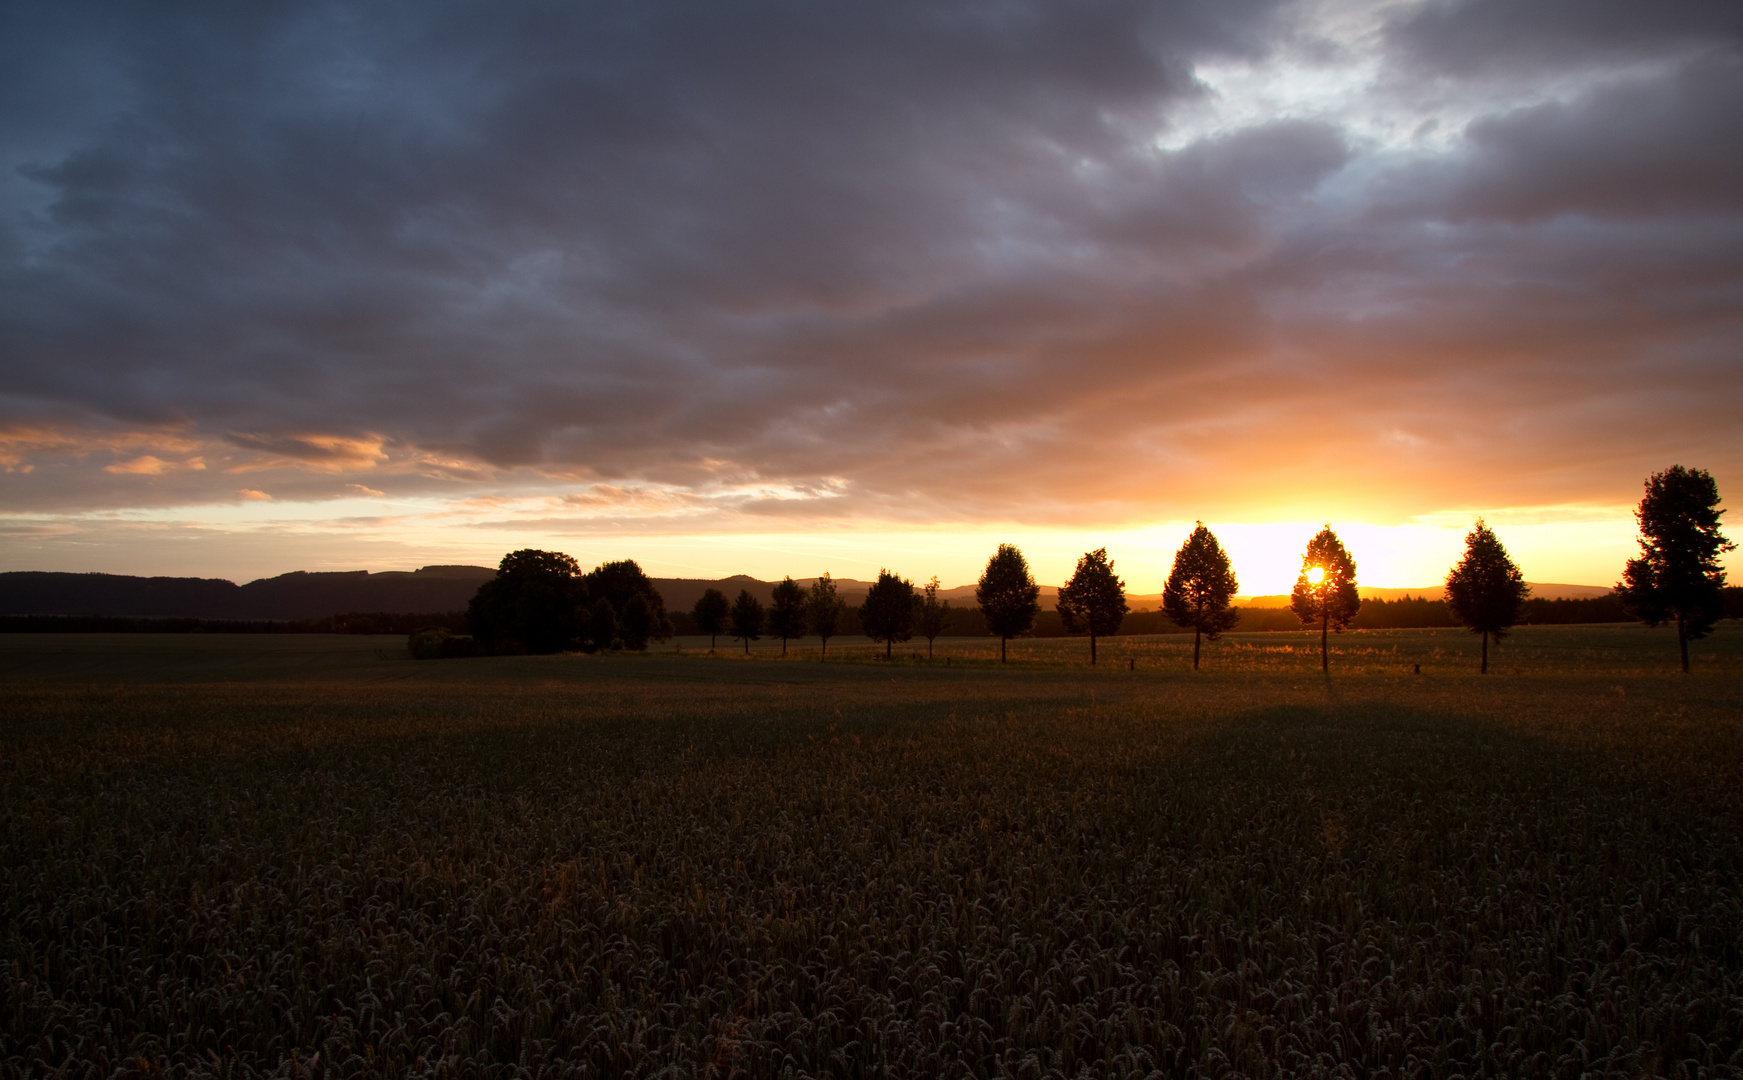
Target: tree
x,y
619,582
1093,602
824,609
747,618
710,614
1677,577
536,603
888,612
933,616
1200,589
637,624
603,628
787,613
1485,590
1007,595
1325,591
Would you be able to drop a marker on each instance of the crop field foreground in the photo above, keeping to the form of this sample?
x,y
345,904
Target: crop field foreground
x,y
320,858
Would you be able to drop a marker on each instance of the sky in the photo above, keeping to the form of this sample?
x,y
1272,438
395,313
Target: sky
x,y
792,287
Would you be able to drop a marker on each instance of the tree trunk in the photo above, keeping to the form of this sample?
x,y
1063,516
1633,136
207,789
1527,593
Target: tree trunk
x,y
823,658
1485,669
1092,648
1682,642
747,646
889,644
1002,642
1324,627
783,646
1197,629
929,642
711,638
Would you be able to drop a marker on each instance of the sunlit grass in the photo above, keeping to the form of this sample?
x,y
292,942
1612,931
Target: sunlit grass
x,y
618,865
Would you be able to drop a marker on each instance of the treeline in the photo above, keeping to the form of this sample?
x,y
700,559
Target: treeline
x,y
1404,613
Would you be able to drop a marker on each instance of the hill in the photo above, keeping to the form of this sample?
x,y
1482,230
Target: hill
x,y
297,595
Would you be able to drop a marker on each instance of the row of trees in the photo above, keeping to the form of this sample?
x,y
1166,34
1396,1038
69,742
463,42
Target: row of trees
x,y
540,601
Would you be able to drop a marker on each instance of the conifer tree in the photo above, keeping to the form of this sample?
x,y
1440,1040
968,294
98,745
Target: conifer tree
x,y
1200,589
1007,595
1325,591
787,613
1093,602
824,609
747,618
888,612
1485,591
1677,577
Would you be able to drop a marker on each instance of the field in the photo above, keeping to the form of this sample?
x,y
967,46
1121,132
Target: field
x,y
313,856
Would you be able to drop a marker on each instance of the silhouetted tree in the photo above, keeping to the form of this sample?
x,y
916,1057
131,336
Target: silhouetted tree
x,y
1201,588
747,618
1325,591
536,603
621,580
933,617
1093,602
787,613
710,614
1007,595
1485,591
823,608
637,624
1677,577
604,625
888,612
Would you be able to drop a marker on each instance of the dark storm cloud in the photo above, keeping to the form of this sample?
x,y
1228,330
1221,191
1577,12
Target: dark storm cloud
x,y
1665,145
894,258
1506,37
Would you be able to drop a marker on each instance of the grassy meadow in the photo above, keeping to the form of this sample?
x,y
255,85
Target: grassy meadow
x,y
304,855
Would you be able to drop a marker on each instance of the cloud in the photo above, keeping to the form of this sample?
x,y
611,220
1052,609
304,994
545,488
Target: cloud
x,y
251,495
1489,37
144,465
900,262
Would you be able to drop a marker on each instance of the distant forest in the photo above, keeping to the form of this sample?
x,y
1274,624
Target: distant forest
x,y
399,603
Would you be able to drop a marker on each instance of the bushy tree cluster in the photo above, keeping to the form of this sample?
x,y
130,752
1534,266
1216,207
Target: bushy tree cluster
x,y
541,602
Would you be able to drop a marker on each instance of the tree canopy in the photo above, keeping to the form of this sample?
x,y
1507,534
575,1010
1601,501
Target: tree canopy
x,y
1485,591
536,603
1677,577
786,617
1093,602
1200,589
888,612
1325,590
933,616
1007,595
824,608
747,618
710,613
621,581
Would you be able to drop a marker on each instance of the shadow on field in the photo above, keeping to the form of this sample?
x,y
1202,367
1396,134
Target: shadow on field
x,y
620,866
